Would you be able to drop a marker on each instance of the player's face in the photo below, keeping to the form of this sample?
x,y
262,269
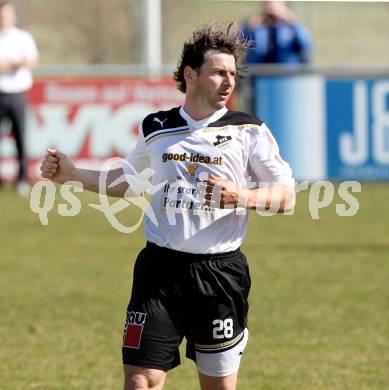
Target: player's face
x,y
7,16
216,79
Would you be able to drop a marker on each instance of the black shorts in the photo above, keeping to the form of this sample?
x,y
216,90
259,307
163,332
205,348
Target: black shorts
x,y
174,295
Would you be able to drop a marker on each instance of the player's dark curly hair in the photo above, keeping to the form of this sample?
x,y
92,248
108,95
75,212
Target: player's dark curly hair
x,y
224,38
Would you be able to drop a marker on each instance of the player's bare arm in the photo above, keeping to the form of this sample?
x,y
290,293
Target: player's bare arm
x,y
275,198
13,66
59,168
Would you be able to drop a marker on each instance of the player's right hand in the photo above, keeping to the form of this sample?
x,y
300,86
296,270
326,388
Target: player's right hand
x,y
57,167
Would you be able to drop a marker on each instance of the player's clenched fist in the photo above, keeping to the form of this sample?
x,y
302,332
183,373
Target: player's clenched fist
x,y
57,166
222,193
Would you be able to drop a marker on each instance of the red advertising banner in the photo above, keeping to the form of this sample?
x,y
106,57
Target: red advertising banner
x,y
88,119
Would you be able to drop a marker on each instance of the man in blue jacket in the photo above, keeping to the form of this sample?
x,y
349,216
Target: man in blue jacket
x,y
277,36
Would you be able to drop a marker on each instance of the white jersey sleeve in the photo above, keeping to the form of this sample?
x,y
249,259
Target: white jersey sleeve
x,y
137,159
265,164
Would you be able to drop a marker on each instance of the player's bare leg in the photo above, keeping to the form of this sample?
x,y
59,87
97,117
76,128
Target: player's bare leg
x,y
218,383
139,378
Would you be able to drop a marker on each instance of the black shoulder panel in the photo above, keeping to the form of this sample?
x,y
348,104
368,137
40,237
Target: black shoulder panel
x,y
236,118
162,120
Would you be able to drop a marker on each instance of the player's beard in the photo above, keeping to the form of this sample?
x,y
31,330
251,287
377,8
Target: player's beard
x,y
209,97
216,102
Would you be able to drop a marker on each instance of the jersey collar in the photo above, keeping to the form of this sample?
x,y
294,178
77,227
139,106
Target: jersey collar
x,y
195,125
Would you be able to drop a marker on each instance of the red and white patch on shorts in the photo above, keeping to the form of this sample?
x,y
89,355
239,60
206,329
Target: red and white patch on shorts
x,y
133,329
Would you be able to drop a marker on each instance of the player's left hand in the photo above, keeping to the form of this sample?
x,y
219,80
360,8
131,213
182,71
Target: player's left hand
x,y
221,193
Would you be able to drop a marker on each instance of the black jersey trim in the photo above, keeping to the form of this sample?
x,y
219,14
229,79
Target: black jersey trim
x,y
162,120
177,130
236,118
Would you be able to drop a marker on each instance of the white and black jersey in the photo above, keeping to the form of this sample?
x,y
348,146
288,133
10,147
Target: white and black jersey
x,y
182,152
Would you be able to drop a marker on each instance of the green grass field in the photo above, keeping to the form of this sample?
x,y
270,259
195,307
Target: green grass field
x,y
319,314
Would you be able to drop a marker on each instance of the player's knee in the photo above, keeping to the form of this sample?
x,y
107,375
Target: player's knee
x,y
143,379
136,382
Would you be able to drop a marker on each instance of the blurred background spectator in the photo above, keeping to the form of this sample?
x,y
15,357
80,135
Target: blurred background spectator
x,y
18,52
277,36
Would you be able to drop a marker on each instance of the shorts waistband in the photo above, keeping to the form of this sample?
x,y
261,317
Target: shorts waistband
x,y
190,257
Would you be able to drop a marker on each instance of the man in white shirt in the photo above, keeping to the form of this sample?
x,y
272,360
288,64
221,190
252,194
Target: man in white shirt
x,y
18,53
191,280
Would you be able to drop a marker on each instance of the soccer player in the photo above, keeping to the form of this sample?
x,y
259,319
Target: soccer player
x,y
191,280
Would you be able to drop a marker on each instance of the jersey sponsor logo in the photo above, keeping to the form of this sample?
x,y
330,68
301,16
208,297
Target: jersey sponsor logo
x,y
192,158
183,197
133,329
191,171
159,121
185,204
222,141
